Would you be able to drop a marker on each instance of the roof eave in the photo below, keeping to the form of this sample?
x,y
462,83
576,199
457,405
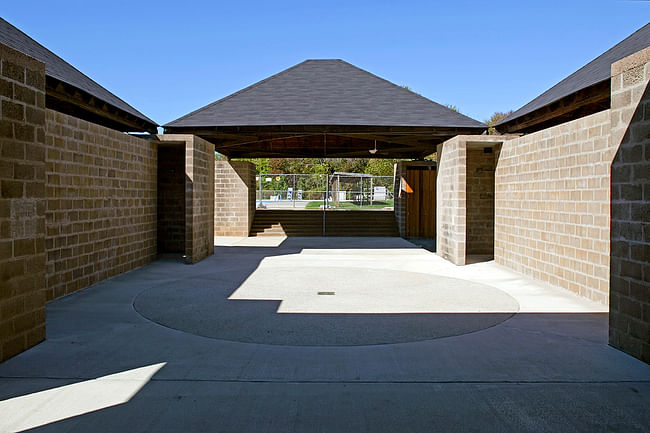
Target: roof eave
x,y
580,103
69,99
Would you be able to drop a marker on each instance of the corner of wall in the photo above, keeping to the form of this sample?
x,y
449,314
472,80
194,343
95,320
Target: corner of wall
x,y
22,202
629,324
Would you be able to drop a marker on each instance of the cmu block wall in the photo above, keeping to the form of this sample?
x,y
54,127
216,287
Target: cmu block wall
x,y
458,182
171,199
234,198
199,199
22,203
451,200
101,203
629,320
480,199
552,205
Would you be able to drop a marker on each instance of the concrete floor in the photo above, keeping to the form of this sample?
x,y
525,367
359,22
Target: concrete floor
x,y
243,341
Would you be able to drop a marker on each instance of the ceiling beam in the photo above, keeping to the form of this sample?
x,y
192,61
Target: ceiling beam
x,y
585,101
66,98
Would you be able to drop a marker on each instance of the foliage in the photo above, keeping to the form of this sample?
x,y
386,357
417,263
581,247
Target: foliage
x,y
452,107
375,166
494,119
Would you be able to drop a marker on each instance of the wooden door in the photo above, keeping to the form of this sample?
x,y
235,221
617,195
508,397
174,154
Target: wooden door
x,y
421,203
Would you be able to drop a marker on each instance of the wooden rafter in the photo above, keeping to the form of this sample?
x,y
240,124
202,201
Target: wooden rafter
x,y
581,103
66,98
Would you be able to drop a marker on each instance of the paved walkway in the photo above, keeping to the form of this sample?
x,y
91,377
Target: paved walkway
x,y
324,335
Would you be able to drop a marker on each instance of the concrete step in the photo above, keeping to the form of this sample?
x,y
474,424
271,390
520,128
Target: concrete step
x,y
337,223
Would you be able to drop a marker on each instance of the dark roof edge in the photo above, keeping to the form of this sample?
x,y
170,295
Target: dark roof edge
x,y
522,110
57,101
479,124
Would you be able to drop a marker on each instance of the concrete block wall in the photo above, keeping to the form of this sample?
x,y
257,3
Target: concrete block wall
x,y
451,200
455,183
171,198
481,165
22,202
629,320
234,203
101,203
199,199
552,205
199,193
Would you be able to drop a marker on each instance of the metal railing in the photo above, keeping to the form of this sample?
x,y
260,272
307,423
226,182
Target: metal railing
x,y
338,191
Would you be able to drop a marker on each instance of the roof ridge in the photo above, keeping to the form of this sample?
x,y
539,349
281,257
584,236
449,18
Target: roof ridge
x,y
341,61
77,70
239,92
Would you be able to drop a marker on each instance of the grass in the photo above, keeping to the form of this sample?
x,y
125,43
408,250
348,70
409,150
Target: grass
x,y
348,205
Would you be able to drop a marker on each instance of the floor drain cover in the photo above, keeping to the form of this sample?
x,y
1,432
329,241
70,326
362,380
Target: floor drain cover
x,y
327,293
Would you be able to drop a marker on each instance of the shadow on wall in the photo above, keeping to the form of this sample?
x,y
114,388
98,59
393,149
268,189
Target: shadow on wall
x,y
171,199
629,319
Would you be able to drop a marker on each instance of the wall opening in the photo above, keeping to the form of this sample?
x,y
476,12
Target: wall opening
x,y
481,165
171,198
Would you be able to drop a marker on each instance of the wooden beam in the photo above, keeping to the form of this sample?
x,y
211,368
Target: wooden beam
x,y
64,97
596,96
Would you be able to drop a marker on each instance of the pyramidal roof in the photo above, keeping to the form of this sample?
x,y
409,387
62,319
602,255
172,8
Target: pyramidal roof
x,y
594,72
59,69
325,92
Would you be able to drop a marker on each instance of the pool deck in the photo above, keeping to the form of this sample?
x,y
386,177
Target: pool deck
x,y
315,335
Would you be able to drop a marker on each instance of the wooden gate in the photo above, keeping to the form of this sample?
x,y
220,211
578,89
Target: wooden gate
x,y
421,202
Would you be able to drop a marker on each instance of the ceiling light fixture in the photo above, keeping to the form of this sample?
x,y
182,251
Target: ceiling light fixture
x,y
373,151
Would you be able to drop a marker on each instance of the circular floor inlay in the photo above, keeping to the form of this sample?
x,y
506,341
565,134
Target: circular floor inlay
x,y
325,306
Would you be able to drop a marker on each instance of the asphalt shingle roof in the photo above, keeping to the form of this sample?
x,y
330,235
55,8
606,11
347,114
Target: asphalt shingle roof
x,y
325,92
594,72
59,69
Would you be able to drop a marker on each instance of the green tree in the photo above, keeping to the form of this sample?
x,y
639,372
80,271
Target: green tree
x,y
380,167
497,117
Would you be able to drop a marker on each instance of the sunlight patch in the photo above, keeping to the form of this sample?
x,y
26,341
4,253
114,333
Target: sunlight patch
x,y
56,404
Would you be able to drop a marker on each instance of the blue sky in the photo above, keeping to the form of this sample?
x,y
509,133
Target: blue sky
x,y
169,58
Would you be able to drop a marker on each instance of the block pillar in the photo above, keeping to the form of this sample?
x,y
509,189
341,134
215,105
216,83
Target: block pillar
x,y
629,316
22,202
234,198
465,202
199,195
451,203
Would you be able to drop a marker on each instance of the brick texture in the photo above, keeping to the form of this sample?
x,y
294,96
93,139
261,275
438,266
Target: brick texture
x,y
629,320
552,205
234,198
22,202
199,194
171,199
451,203
481,164
101,203
465,196
199,199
